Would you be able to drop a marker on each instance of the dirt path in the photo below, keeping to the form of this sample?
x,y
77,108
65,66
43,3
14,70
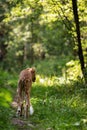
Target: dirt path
x,y
21,123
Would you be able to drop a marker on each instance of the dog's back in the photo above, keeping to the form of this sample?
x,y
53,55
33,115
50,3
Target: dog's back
x,y
25,74
25,80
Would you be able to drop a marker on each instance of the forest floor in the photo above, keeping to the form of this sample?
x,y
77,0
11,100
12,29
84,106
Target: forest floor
x,y
20,122
59,103
55,109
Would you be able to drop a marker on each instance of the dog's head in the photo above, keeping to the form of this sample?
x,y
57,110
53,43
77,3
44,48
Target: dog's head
x,y
33,72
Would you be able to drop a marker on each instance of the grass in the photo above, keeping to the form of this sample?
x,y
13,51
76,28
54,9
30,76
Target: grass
x,y
5,100
59,100
59,107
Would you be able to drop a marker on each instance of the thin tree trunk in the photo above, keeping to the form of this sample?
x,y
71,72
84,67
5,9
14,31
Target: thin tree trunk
x,y
80,51
25,52
32,41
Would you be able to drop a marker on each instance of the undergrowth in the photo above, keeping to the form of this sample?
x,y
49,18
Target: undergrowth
x,y
59,100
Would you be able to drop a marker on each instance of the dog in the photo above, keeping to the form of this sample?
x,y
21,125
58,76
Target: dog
x,y
26,77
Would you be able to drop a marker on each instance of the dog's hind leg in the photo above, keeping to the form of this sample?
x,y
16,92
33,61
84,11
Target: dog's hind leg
x,y
20,99
27,98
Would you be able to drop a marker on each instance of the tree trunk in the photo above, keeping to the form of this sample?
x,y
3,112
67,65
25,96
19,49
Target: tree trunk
x,y
80,51
25,52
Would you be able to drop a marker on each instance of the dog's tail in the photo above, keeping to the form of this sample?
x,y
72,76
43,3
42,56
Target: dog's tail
x,y
31,110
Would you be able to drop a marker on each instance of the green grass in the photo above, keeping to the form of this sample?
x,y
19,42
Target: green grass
x,y
60,107
59,101
6,91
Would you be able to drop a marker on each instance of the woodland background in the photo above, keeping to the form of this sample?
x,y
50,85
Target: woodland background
x,y
50,35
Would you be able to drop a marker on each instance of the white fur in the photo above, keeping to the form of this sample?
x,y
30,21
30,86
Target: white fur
x,y
31,110
19,109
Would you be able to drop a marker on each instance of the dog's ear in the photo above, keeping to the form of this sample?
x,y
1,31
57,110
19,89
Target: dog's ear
x,y
32,70
33,74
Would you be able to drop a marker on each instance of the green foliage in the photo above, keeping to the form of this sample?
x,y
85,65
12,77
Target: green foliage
x,y
58,97
73,70
49,24
41,33
5,101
